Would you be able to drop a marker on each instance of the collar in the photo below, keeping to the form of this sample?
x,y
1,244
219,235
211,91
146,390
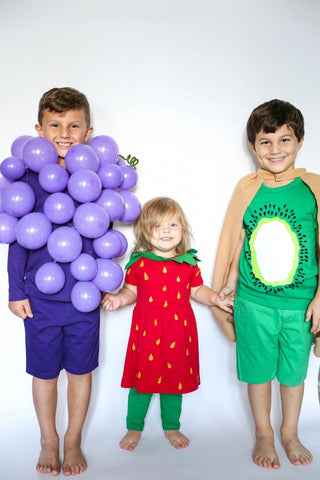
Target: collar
x,y
189,257
277,177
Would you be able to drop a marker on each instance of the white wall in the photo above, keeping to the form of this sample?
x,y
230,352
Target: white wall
x,y
173,82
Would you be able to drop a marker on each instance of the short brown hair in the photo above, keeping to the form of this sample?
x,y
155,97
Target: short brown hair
x,y
63,99
272,115
151,213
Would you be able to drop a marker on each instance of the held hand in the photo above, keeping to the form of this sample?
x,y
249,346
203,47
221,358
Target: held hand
x,y
21,308
110,302
313,312
227,290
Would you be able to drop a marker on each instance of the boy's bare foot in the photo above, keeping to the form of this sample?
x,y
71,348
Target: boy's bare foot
x,y
49,458
264,454
130,440
296,452
177,439
74,461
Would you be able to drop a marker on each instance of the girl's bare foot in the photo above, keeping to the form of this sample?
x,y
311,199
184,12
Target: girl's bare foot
x,y
264,454
74,461
130,440
296,452
49,457
177,439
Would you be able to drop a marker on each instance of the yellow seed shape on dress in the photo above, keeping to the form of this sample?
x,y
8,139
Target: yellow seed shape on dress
x,y
180,386
165,304
133,346
144,333
188,286
169,365
187,352
164,288
145,276
185,323
159,379
178,279
176,317
156,322
158,341
164,270
191,371
178,295
150,299
129,270
139,375
137,327
150,357
190,339
173,344
142,263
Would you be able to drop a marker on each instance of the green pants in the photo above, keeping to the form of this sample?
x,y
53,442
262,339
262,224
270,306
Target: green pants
x,y
138,404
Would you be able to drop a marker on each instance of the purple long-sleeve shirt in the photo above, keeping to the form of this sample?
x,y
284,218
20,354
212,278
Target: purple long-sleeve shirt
x,y
23,263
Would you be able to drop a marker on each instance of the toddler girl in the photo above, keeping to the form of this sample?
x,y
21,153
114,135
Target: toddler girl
x,y
162,354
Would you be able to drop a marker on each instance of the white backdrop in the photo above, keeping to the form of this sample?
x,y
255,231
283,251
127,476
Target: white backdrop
x,y
173,82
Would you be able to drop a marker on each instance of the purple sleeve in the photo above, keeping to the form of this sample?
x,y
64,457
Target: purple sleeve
x,y
17,261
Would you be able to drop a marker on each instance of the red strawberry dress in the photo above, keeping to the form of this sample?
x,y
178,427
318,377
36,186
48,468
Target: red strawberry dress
x,y
162,353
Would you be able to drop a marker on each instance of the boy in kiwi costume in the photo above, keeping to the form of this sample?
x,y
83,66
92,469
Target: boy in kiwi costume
x,y
267,258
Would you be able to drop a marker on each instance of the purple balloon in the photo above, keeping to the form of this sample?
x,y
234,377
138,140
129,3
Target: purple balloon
x,y
38,152
1,206
64,244
59,208
50,278
130,177
112,202
132,207
85,296
80,157
108,245
7,228
84,267
109,276
18,199
123,241
53,178
84,186
111,175
4,181
33,230
106,148
13,168
91,220
18,144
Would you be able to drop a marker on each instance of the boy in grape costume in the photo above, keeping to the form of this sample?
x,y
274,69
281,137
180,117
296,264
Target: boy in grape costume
x,y
162,354
57,335
267,256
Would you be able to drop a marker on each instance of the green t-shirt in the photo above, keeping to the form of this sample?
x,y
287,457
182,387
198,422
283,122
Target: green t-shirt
x,y
278,264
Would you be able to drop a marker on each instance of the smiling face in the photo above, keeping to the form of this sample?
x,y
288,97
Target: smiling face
x,y
64,129
166,236
276,152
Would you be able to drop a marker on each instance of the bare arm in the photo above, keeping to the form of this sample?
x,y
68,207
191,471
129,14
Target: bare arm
x,y
126,296
207,296
21,308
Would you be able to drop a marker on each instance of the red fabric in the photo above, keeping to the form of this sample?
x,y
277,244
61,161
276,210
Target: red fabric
x,y
162,354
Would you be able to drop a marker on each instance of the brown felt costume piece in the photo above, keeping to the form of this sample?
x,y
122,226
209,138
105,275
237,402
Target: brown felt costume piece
x,y
244,192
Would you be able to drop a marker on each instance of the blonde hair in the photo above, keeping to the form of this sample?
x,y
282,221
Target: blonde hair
x,y
151,214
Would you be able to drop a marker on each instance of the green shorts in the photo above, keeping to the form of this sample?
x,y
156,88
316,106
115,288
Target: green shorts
x,y
271,343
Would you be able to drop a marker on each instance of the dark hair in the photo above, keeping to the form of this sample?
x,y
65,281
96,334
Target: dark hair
x,y
63,99
272,115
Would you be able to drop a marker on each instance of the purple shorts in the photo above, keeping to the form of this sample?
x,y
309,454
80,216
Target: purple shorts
x,y
59,336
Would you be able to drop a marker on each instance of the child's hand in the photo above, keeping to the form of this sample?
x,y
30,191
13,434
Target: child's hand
x,y
313,312
110,302
21,308
227,290
226,303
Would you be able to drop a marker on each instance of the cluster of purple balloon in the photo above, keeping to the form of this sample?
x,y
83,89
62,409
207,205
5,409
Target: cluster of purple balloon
x,y
99,181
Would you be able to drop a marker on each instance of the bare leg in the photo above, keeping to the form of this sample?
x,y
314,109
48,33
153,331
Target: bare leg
x,y
45,403
291,400
177,439
130,440
264,453
79,391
